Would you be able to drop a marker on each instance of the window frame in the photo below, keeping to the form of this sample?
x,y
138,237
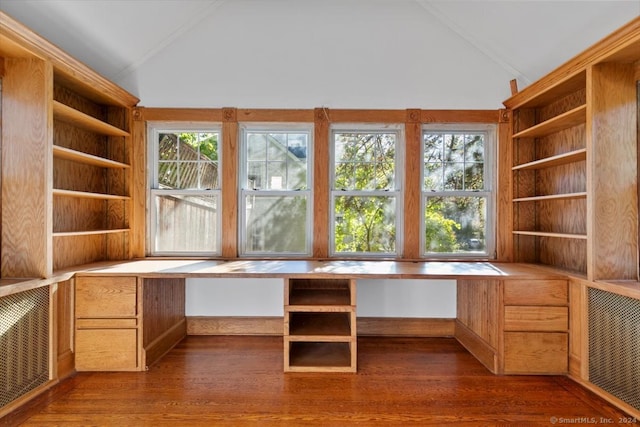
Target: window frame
x,y
398,192
154,129
243,192
489,192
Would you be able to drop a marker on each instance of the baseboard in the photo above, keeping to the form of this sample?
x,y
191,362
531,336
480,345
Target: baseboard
x,y
165,342
477,346
234,325
66,364
366,326
405,327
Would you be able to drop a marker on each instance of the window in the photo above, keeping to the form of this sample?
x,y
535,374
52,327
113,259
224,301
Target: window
x,y
457,199
275,194
365,194
185,189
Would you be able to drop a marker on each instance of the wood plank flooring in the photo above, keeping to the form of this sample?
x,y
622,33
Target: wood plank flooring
x,y
238,381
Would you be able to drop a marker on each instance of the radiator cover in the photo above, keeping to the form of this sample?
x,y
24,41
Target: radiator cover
x,y
614,345
24,343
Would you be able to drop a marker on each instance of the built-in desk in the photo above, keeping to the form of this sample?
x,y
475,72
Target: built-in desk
x,y
344,269
512,317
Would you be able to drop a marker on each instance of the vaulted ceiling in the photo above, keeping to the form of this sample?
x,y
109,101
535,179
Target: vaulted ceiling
x,y
336,53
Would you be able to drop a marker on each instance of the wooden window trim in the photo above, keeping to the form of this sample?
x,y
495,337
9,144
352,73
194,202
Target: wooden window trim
x,y
322,119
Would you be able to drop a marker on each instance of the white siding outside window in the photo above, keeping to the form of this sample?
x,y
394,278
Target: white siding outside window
x,y
184,196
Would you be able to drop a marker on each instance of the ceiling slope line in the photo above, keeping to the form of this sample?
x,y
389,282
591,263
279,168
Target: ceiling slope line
x,y
183,29
485,50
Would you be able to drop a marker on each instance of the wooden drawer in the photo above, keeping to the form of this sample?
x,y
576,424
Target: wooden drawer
x,y
106,297
536,292
535,352
532,318
106,349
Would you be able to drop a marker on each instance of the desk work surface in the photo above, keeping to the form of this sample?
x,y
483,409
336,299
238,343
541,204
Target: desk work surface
x,y
192,268
319,269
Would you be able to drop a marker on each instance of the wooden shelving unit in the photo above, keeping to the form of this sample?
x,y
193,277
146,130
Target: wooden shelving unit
x,y
91,177
68,147
320,325
574,173
550,176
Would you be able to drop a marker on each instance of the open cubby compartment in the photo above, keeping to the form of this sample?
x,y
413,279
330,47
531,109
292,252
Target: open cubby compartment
x,y
71,214
90,126
81,177
321,323
320,292
84,248
321,356
559,91
557,251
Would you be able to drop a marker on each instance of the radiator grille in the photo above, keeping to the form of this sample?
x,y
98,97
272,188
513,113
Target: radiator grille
x,y
614,345
24,343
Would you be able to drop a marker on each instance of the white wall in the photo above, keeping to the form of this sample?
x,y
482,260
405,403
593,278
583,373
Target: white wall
x,y
375,298
406,298
331,53
311,53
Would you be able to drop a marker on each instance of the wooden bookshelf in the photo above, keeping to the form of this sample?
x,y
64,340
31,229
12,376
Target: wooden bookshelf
x,y
72,202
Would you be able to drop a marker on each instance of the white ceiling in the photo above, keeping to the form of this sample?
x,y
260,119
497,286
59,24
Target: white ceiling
x,y
137,43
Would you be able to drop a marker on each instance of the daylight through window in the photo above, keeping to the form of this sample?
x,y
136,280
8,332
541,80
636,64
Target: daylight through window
x,y
185,193
456,185
365,192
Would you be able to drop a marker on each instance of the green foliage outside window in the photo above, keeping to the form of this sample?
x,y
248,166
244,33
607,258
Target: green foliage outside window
x,y
365,222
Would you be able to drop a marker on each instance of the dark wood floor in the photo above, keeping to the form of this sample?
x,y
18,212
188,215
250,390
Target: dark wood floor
x,y
238,381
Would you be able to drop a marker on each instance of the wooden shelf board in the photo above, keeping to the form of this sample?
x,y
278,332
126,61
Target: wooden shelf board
x,y
321,338
77,118
560,159
80,157
567,196
569,119
89,232
319,355
547,234
320,297
319,308
87,195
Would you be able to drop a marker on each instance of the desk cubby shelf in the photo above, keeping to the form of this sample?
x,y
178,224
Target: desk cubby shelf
x,y
319,325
